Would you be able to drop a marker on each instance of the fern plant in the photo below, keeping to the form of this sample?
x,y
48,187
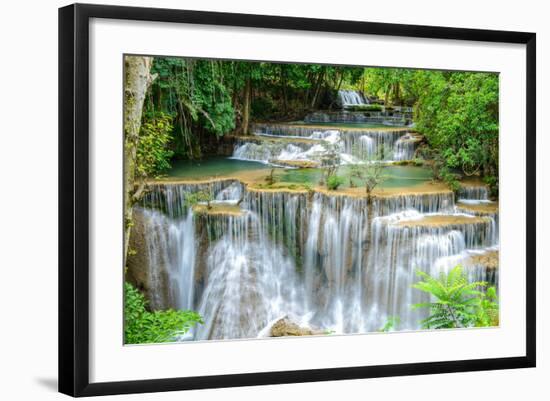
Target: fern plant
x,y
144,326
456,301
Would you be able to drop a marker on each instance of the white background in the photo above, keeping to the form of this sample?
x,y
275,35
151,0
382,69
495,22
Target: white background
x,y
28,164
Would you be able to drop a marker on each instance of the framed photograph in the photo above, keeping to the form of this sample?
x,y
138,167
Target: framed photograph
x,y
277,199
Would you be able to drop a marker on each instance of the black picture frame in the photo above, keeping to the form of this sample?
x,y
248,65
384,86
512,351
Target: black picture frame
x,y
74,194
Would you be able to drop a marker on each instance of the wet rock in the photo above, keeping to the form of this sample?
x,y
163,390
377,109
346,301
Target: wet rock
x,y
137,264
286,327
488,260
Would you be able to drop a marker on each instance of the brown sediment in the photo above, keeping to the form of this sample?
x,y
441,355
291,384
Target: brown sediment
x,y
296,163
246,177
217,209
360,192
279,187
488,259
255,180
428,187
443,220
480,208
473,181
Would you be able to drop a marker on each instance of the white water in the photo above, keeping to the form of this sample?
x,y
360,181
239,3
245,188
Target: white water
x,y
396,144
351,98
473,194
171,250
306,257
249,282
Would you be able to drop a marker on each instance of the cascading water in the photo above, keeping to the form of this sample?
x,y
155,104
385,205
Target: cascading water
x,y
403,148
323,259
396,145
351,98
171,250
471,193
249,282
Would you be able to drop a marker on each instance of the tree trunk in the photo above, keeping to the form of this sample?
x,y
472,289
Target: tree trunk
x,y
137,80
317,88
370,217
246,106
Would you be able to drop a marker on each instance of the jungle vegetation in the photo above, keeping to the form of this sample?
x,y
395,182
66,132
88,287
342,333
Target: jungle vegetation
x,y
191,104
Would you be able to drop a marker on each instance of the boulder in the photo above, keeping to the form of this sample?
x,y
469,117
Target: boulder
x,y
286,327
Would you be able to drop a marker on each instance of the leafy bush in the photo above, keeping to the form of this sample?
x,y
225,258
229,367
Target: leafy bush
x,y
153,153
451,179
458,303
458,114
192,198
370,171
334,181
142,326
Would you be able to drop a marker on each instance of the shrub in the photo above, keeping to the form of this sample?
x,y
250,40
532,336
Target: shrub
x,y
334,181
142,326
458,303
262,107
153,154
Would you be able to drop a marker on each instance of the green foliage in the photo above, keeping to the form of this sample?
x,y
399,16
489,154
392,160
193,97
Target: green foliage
x,y
153,153
458,114
452,179
334,181
457,302
198,94
418,161
193,198
142,326
391,324
212,98
487,312
329,159
263,108
369,170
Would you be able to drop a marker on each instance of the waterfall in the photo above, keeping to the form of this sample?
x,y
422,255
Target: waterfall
x,y
333,262
250,282
473,193
271,152
437,202
404,148
299,143
351,98
171,198
315,257
404,244
171,253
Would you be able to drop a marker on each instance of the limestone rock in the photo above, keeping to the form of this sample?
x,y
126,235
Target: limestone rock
x,y
286,327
